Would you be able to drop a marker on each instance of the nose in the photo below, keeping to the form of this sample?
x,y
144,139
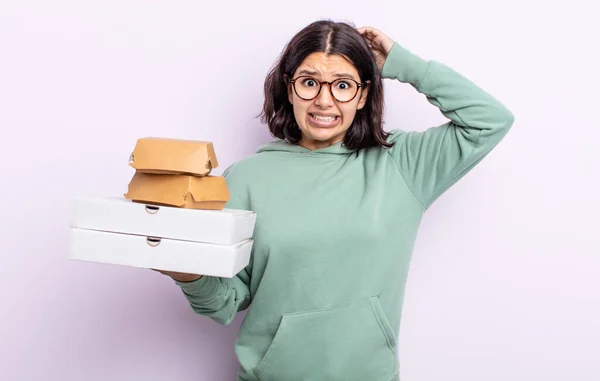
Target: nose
x,y
324,99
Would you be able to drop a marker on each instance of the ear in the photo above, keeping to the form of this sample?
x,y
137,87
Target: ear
x,y
363,96
290,93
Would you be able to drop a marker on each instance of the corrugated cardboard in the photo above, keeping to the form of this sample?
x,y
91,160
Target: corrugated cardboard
x,y
116,214
175,156
184,191
159,253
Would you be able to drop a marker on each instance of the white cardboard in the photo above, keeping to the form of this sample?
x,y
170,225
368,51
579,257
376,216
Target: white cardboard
x,y
119,215
161,254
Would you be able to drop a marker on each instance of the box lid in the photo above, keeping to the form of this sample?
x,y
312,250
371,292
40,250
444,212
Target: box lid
x,y
172,189
163,155
159,253
119,215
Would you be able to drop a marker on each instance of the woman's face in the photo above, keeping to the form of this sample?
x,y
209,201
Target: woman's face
x,y
324,120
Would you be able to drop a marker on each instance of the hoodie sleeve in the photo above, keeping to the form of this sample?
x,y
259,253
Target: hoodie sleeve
x,y
221,298
433,160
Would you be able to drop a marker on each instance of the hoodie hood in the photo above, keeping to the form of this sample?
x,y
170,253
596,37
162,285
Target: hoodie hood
x,y
283,146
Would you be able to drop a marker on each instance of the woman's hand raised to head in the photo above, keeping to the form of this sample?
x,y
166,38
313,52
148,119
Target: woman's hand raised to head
x,y
380,43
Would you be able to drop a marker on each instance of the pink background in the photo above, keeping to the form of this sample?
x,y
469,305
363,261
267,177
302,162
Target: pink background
x,y
504,282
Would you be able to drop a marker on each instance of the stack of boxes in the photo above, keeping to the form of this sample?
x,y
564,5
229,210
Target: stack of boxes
x,y
172,217
176,173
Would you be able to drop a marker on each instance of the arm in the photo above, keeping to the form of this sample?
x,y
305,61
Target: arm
x,y
433,160
218,298
221,298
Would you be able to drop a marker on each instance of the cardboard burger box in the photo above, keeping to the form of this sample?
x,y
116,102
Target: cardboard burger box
x,y
172,217
173,156
184,191
176,172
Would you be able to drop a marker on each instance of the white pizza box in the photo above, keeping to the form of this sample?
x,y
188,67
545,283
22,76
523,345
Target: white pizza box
x,y
119,215
159,253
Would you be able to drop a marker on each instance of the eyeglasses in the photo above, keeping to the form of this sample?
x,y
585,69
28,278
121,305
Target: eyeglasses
x,y
342,90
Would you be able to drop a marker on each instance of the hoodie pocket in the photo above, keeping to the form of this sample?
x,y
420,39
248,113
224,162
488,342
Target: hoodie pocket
x,y
354,342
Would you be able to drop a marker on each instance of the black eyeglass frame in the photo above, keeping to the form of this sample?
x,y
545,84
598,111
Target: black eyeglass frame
x,y
359,85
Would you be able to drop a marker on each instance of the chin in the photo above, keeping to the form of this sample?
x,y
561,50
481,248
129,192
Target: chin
x,y
323,135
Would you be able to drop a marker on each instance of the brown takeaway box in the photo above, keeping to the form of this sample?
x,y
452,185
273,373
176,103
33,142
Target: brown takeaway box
x,y
184,191
173,156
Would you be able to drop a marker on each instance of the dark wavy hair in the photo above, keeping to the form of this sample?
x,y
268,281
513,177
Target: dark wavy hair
x,y
330,38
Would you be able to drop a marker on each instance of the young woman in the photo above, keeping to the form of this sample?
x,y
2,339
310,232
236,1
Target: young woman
x,y
339,202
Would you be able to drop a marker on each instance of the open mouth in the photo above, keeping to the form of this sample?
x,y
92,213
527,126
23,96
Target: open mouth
x,y
324,120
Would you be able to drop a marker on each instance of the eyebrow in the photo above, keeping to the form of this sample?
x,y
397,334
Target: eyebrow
x,y
315,73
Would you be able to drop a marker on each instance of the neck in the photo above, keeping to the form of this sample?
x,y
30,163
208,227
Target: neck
x,y
313,144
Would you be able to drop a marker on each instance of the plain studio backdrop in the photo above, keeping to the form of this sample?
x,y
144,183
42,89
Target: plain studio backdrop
x,y
505,275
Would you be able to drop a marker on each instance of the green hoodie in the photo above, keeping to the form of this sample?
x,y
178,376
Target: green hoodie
x,y
334,234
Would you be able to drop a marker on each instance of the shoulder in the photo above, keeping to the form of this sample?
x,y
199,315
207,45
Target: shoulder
x,y
238,170
267,157
239,177
404,142
396,135
400,146
248,170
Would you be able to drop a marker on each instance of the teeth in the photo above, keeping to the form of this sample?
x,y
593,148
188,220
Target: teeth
x,y
324,118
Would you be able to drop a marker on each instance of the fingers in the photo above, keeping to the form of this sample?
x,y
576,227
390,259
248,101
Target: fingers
x,y
371,35
368,32
366,29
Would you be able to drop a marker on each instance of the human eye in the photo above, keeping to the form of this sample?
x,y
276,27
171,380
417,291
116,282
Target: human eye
x,y
309,82
344,85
